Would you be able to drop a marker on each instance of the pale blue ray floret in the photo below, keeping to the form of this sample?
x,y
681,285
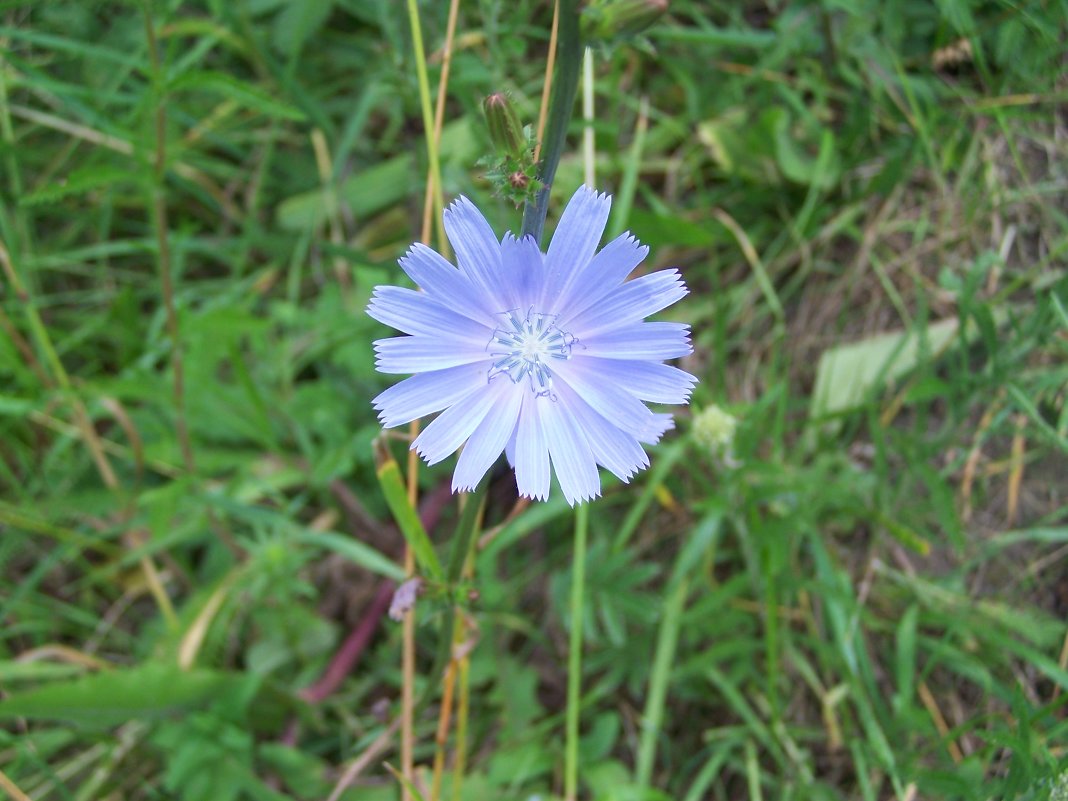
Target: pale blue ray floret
x,y
546,357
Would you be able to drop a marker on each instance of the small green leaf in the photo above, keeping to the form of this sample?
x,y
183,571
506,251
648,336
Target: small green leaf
x,y
77,183
389,477
355,551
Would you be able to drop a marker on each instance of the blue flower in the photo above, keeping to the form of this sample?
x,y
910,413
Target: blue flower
x,y
544,356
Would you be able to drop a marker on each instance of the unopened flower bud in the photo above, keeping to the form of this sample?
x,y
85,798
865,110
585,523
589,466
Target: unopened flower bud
x,y
611,19
504,126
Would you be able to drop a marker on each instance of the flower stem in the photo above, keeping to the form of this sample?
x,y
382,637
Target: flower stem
x,y
428,114
433,203
460,763
462,542
454,631
565,86
547,84
433,190
574,662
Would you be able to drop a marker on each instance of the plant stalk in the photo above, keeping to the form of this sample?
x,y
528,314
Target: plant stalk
x,y
565,87
574,661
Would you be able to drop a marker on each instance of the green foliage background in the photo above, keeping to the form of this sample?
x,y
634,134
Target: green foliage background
x,y
862,597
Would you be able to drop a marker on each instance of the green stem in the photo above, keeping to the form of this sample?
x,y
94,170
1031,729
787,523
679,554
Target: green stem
x,y
565,86
574,662
461,546
428,114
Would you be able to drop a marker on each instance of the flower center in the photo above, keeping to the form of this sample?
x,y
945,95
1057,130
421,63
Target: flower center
x,y
525,346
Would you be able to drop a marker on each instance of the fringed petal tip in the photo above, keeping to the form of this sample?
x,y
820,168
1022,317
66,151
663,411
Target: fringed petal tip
x,y
591,194
417,249
461,203
630,240
426,456
534,496
585,498
679,281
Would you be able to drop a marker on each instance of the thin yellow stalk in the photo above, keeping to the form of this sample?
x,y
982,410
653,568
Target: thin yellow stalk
x,y
439,122
546,89
434,185
460,764
364,760
12,789
434,191
442,735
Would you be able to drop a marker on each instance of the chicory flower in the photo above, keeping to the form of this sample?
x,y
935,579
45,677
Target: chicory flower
x,y
547,357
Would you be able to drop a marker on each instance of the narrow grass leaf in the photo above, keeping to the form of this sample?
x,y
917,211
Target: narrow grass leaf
x,y
246,94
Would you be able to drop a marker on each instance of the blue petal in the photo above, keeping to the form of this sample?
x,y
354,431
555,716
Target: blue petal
x,y
614,449
647,381
489,439
445,284
477,250
576,238
642,341
417,313
427,393
453,426
421,354
631,303
532,472
662,423
524,272
605,272
608,399
509,449
571,456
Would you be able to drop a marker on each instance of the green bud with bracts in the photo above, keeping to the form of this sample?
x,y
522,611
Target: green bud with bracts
x,y
504,127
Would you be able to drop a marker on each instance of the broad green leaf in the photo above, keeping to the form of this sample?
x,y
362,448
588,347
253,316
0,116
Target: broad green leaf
x,y
847,374
112,697
12,671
